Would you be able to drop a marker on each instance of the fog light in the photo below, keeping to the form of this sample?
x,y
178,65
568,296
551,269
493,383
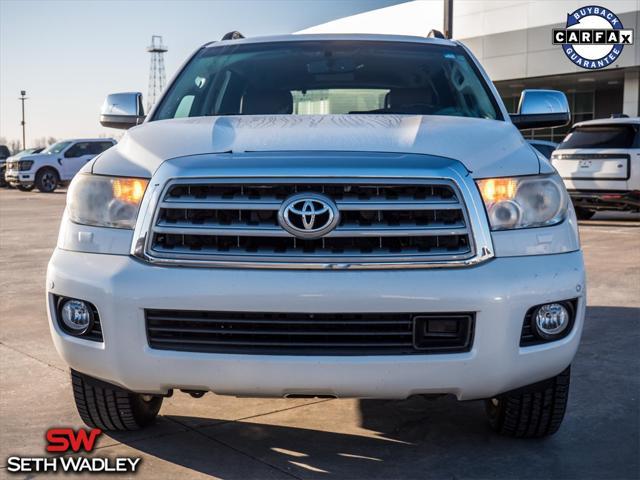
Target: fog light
x,y
76,316
551,320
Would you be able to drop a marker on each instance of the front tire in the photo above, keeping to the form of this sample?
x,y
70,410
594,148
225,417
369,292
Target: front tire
x,y
47,180
584,213
533,411
108,407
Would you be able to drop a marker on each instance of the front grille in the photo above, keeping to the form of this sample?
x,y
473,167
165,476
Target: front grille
x,y
398,221
306,333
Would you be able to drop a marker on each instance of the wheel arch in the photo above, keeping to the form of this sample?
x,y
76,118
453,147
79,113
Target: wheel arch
x,y
47,167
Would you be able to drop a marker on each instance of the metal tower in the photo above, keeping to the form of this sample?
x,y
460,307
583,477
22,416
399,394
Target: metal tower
x,y
157,76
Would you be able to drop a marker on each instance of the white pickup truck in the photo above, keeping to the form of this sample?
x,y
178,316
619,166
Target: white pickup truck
x,y
599,161
55,165
322,216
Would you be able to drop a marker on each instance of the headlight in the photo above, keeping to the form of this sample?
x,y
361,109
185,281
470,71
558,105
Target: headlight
x,y
24,165
105,201
524,202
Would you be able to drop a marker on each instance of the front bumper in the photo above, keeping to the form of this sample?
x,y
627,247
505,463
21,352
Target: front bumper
x,y
15,177
606,200
500,291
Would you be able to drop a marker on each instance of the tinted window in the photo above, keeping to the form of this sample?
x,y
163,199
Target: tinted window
x,y
546,150
310,77
78,150
603,136
99,147
4,151
56,147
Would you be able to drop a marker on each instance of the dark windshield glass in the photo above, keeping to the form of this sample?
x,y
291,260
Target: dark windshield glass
x,y
56,147
544,149
602,136
310,77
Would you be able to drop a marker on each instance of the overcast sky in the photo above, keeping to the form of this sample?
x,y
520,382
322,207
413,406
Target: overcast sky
x,y
68,55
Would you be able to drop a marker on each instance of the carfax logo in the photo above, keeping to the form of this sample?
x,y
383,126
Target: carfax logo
x,y
593,38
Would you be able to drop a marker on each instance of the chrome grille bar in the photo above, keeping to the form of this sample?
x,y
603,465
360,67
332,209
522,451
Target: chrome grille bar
x,y
347,230
272,203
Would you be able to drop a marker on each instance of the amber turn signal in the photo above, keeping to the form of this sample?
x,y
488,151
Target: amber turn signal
x,y
129,190
498,189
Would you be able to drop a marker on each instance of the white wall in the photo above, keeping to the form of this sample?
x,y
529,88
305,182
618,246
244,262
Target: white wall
x,y
511,38
471,18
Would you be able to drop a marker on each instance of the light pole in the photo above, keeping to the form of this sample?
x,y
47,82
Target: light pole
x,y
448,18
22,98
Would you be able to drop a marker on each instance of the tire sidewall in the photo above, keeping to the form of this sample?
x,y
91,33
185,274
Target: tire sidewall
x,y
145,411
39,180
584,213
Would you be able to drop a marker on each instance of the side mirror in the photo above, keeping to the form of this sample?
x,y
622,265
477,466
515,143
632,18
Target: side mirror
x,y
122,110
541,109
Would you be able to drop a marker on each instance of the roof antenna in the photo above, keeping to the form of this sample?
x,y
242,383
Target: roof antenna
x,y
235,35
436,34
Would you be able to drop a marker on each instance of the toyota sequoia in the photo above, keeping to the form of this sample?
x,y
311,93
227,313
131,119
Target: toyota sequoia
x,y
321,216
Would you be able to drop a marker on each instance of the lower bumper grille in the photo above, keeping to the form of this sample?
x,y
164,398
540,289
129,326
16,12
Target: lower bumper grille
x,y
309,334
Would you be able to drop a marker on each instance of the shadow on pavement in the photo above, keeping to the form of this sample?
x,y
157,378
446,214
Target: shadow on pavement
x,y
398,436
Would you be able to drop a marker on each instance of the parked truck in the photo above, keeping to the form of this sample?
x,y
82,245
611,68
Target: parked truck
x,y
56,165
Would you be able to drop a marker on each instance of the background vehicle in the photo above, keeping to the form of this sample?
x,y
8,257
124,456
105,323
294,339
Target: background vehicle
x,y
543,146
55,165
599,161
17,156
4,154
299,217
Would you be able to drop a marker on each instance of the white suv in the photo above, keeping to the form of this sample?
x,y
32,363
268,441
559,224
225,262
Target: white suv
x,y
322,216
599,161
55,165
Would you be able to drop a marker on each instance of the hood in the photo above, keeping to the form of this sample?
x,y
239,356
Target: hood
x,y
36,156
487,148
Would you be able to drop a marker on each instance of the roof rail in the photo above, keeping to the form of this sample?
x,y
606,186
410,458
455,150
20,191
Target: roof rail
x,y
436,34
619,115
235,35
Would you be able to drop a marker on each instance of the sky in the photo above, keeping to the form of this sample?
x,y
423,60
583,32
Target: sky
x,y
68,55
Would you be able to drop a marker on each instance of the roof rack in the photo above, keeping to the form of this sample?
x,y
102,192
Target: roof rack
x,y
436,34
235,35
619,115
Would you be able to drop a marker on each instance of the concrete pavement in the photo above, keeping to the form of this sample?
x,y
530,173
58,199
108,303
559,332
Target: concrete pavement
x,y
233,438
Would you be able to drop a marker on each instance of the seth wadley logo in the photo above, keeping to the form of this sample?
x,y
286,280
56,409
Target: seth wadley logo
x,y
593,38
66,441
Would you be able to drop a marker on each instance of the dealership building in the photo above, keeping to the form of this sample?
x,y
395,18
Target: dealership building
x,y
513,41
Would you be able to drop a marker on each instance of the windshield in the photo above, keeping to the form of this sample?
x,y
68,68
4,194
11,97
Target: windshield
x,y
601,136
329,77
56,147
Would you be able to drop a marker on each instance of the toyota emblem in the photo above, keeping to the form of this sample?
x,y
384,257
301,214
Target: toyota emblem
x,y
308,215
